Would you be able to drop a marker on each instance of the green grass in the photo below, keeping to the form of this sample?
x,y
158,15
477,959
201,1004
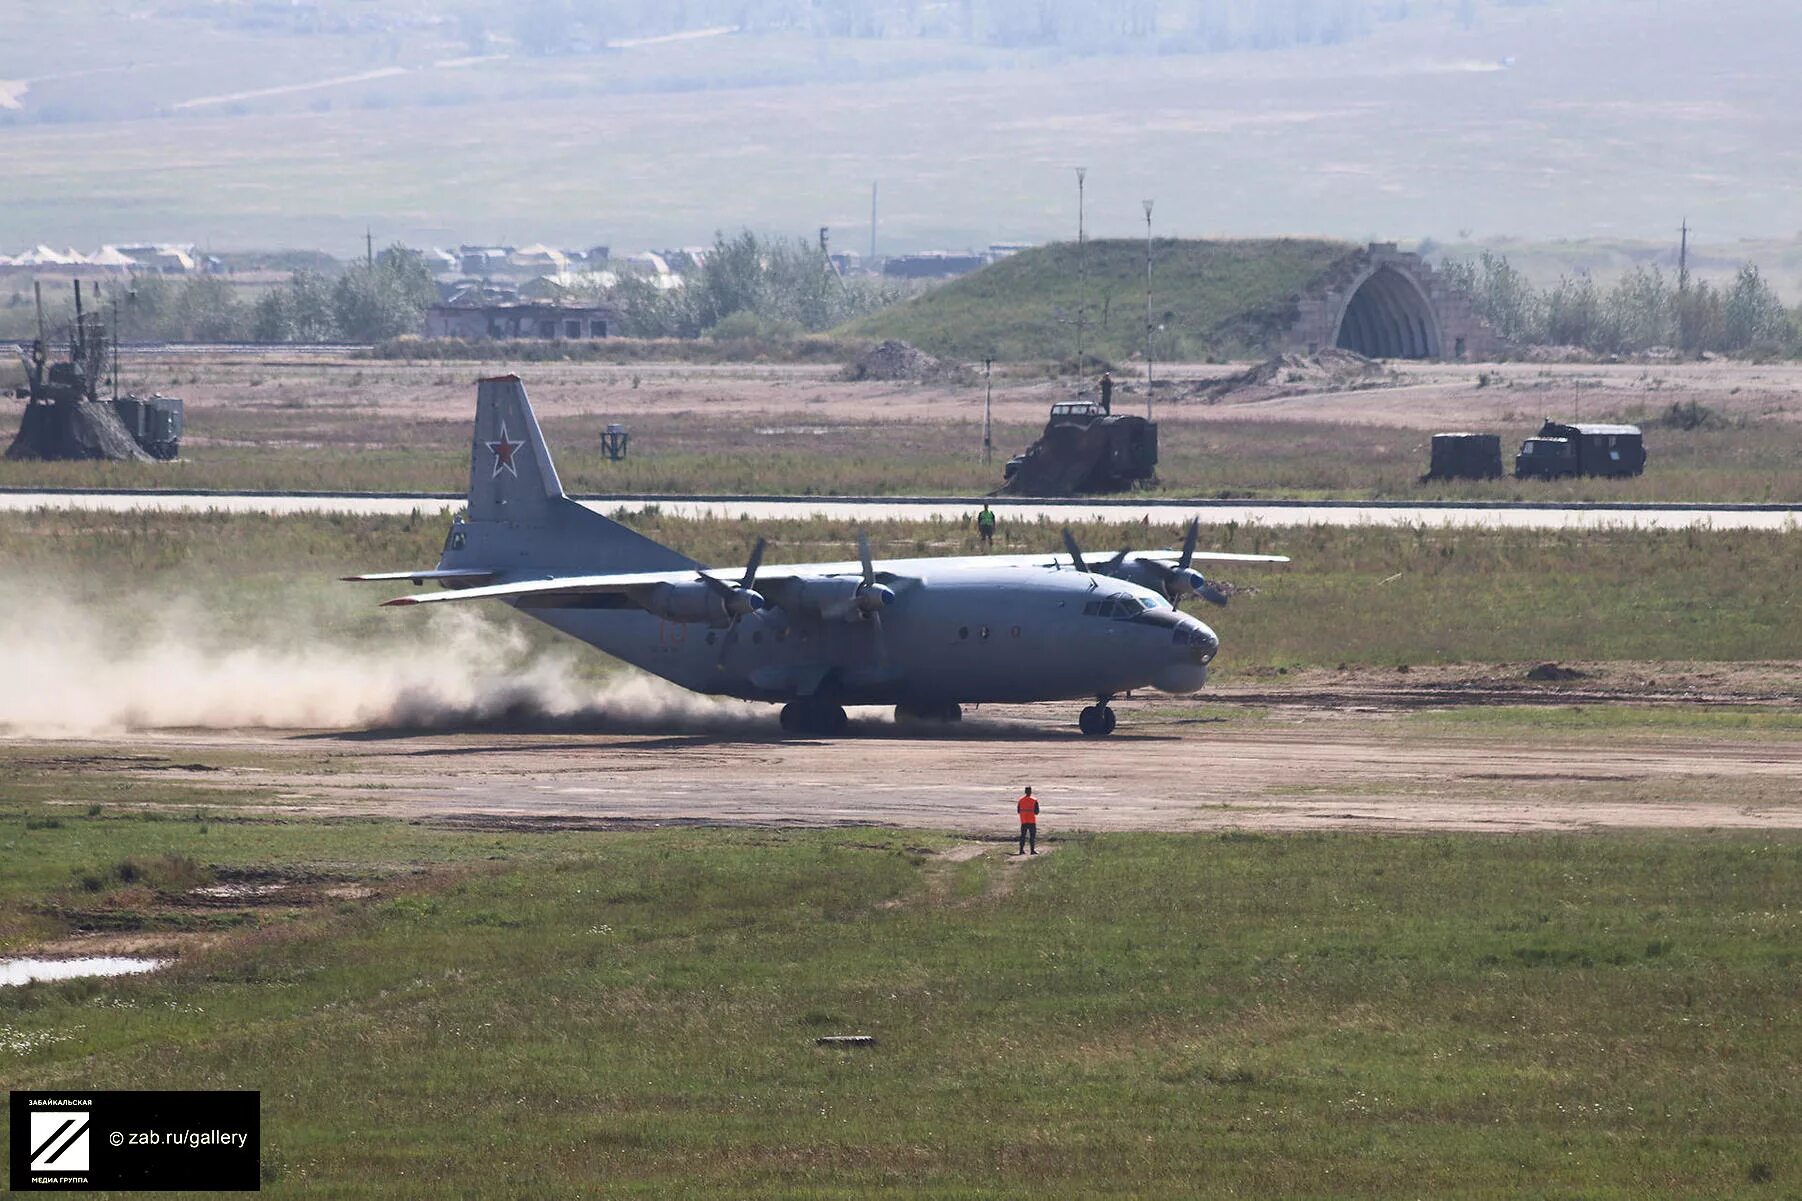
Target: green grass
x,y
1361,595
332,447
1213,298
1137,1015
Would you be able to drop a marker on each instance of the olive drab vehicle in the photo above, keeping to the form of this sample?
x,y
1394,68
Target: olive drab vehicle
x,y
65,417
1561,448
1085,448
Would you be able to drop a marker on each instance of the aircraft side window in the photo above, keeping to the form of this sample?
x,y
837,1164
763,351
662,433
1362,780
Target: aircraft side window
x,y
1015,632
983,633
963,631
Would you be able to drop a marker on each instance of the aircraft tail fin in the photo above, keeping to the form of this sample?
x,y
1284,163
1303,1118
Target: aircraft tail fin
x,y
520,521
511,476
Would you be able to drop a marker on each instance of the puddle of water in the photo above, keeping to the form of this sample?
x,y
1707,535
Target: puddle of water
x,y
24,971
228,891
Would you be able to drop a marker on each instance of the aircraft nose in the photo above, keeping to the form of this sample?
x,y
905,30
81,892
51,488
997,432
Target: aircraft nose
x,y
1201,642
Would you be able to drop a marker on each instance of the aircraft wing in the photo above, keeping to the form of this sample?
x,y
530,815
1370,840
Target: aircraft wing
x,y
419,577
625,583
1063,563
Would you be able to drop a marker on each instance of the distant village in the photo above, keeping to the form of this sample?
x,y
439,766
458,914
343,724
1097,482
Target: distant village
x,y
493,291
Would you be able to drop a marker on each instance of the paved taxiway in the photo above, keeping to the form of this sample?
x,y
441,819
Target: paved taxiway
x,y
1165,512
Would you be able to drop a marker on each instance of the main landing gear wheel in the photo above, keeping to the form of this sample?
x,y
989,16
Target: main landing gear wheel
x,y
814,717
946,712
1097,721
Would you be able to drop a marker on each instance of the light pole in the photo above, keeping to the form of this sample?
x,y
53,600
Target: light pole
x,y
1147,309
1082,269
988,410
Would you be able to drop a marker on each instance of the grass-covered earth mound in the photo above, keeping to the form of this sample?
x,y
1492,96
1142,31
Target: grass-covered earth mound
x,y
1209,299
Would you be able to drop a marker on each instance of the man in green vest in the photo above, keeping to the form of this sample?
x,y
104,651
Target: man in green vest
x,y
985,525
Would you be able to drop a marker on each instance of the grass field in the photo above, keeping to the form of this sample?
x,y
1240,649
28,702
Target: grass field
x,y
330,448
1134,1015
1467,596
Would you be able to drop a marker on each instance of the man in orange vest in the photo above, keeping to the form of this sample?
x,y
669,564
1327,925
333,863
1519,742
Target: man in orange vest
x,y
1029,821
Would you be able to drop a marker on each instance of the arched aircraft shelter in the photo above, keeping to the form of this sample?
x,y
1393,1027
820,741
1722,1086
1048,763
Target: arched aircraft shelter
x,y
1387,303
1387,316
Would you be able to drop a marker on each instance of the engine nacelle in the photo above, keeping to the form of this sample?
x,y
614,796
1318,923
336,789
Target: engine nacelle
x,y
698,602
843,599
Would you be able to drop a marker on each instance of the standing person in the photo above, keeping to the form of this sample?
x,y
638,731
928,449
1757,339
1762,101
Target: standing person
x,y
985,525
1107,392
1028,808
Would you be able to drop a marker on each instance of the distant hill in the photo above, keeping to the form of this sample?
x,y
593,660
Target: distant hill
x,y
1212,298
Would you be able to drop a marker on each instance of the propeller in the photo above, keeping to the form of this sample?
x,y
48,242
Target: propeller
x,y
871,598
1076,551
739,600
1183,580
1177,582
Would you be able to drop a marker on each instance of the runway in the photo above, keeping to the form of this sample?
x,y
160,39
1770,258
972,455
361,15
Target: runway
x,y
1155,775
1782,518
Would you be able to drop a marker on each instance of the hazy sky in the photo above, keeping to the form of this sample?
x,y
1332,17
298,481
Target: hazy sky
x,y
581,124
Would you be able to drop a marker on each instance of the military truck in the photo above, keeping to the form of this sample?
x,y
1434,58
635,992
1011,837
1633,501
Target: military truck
x,y
1466,457
154,422
1561,448
65,416
1085,448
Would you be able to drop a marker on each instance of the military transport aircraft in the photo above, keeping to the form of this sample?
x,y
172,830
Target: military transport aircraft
x,y
924,635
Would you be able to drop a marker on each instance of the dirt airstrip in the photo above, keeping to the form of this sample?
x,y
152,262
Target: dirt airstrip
x,y
1307,757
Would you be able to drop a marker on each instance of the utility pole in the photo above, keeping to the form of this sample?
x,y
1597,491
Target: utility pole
x,y
1683,287
1683,257
1147,310
1082,268
369,246
988,412
115,333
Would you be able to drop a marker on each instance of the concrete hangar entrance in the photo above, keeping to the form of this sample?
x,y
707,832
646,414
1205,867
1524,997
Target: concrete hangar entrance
x,y
1387,304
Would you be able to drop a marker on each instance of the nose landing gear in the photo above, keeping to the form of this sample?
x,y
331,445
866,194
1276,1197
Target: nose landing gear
x,y
1098,721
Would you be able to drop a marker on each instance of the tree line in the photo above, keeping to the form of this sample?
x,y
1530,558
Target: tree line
x,y
746,286
1644,309
366,302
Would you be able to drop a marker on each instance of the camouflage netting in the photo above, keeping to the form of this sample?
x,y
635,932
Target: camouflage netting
x,y
77,429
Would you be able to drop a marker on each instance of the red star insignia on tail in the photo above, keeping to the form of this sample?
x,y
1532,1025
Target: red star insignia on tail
x,y
503,454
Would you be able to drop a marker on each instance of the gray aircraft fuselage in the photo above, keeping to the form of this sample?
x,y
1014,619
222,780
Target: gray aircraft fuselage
x,y
925,635
957,631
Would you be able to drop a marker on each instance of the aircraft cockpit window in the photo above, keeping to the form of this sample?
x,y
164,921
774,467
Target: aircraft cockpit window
x,y
1120,605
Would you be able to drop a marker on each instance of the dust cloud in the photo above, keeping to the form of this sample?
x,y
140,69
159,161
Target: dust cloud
x,y
71,669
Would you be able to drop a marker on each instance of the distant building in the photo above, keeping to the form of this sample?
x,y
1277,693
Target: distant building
x,y
539,259
522,320
483,260
931,264
544,287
